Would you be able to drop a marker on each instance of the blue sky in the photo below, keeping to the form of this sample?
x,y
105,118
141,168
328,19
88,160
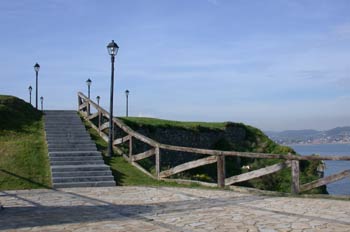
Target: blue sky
x,y
275,65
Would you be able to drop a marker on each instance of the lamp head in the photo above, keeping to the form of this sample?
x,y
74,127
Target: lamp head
x,y
112,48
36,67
88,82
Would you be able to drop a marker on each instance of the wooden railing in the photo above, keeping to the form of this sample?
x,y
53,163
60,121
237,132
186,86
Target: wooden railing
x,y
86,105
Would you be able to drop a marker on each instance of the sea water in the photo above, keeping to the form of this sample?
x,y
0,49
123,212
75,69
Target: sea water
x,y
341,187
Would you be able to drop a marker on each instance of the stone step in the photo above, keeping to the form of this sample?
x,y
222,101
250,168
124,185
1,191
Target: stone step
x,y
84,184
65,130
64,127
64,136
63,140
53,120
79,168
74,153
81,179
83,173
71,145
81,139
72,149
81,162
71,132
62,121
76,158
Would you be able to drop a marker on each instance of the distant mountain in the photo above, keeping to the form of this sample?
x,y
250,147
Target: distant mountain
x,y
335,135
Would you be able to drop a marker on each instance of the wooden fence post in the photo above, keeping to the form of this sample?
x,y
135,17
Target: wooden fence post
x,y
221,170
130,149
157,151
99,120
79,102
295,177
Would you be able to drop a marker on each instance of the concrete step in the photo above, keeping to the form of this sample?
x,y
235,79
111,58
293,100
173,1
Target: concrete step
x,y
70,132
63,140
80,168
81,162
84,173
86,141
65,136
51,137
72,149
75,158
71,145
84,184
81,179
65,127
63,121
75,153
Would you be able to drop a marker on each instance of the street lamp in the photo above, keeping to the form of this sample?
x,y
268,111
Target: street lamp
x,y
42,102
112,48
88,82
30,94
98,100
127,102
36,68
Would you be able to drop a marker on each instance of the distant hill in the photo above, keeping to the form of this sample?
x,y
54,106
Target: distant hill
x,y
335,135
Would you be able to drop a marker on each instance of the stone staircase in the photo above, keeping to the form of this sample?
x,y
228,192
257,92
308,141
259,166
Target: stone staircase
x,y
74,159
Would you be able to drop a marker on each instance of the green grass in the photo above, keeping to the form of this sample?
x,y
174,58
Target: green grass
x,y
135,122
23,153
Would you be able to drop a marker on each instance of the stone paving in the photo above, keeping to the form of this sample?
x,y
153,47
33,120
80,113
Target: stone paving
x,y
166,209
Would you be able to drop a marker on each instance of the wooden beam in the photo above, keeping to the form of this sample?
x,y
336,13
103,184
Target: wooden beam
x,y
121,140
104,126
130,149
250,154
295,188
188,165
182,181
325,180
99,121
157,153
91,116
143,170
144,155
257,173
103,135
82,106
221,171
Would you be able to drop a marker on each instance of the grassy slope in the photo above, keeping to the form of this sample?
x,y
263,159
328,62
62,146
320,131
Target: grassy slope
x,y
124,173
23,153
255,141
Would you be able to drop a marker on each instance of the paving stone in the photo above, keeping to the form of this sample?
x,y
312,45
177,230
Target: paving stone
x,y
166,209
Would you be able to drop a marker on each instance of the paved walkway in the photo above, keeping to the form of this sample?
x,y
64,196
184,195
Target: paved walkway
x,y
166,209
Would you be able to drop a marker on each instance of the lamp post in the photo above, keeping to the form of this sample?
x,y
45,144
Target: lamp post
x,y
112,48
30,94
98,100
88,82
36,68
42,103
127,102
